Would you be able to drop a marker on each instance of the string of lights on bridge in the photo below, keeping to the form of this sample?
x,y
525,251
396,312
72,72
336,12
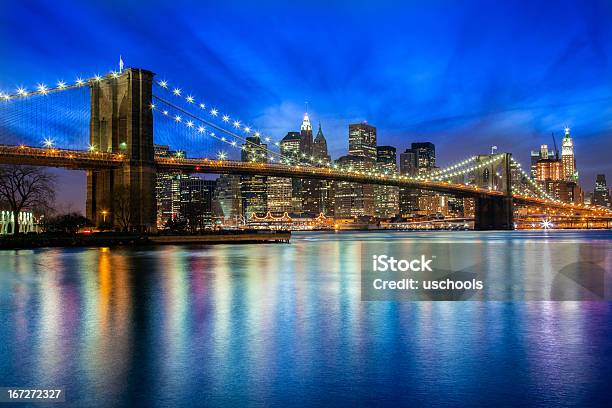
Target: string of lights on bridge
x,y
535,185
214,112
42,89
454,170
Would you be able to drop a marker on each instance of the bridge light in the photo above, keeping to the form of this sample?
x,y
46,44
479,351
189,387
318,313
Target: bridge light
x,y
201,129
202,106
165,112
79,81
212,134
114,74
42,88
189,124
178,118
61,84
189,99
234,143
277,144
21,91
214,112
48,142
92,148
223,139
236,124
97,77
4,96
163,84
177,91
226,118
152,106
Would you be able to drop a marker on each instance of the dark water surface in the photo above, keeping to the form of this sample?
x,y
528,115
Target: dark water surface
x,y
284,325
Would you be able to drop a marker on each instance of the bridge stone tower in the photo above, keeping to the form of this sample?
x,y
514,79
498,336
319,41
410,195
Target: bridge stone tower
x,y
122,122
495,213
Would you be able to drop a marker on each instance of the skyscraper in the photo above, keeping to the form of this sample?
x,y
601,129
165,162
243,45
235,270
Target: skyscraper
x,y
306,136
321,157
354,199
408,197
280,192
420,159
290,149
601,195
254,189
568,158
319,147
311,189
168,188
362,140
386,197
196,196
425,156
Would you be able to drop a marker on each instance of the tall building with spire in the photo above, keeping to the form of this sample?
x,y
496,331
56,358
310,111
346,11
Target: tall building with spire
x,y
567,157
306,136
311,189
319,147
321,158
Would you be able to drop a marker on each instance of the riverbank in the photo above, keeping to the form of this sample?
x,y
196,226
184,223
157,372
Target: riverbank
x,y
113,239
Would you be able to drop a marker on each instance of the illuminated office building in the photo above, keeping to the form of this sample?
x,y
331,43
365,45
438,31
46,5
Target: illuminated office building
x,y
386,200
601,194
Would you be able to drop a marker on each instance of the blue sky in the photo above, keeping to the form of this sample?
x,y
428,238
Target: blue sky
x,y
464,75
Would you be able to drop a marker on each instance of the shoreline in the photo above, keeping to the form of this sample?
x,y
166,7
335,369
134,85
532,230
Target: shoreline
x,y
111,239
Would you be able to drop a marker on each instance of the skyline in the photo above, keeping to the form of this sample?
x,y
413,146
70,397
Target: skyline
x,y
413,74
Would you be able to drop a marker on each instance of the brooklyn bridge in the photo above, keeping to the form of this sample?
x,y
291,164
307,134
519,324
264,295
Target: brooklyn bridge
x,y
125,109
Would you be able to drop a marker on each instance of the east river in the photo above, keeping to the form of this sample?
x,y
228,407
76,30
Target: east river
x,y
284,325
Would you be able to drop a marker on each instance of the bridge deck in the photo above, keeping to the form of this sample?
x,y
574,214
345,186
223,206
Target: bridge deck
x,y
86,160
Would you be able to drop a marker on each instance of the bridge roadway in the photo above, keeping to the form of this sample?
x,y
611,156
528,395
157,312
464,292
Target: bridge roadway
x,y
88,160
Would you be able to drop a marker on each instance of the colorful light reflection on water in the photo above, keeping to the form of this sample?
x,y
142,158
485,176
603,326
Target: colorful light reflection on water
x,y
283,325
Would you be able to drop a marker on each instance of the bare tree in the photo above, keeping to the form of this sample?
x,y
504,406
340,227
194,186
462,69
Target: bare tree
x,y
26,187
122,207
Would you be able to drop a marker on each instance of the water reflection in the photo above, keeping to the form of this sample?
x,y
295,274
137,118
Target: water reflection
x,y
283,325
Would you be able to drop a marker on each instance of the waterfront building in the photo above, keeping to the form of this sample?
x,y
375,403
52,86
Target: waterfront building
x,y
601,194
354,199
196,195
386,202
408,197
420,159
254,189
290,150
280,192
168,187
227,202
